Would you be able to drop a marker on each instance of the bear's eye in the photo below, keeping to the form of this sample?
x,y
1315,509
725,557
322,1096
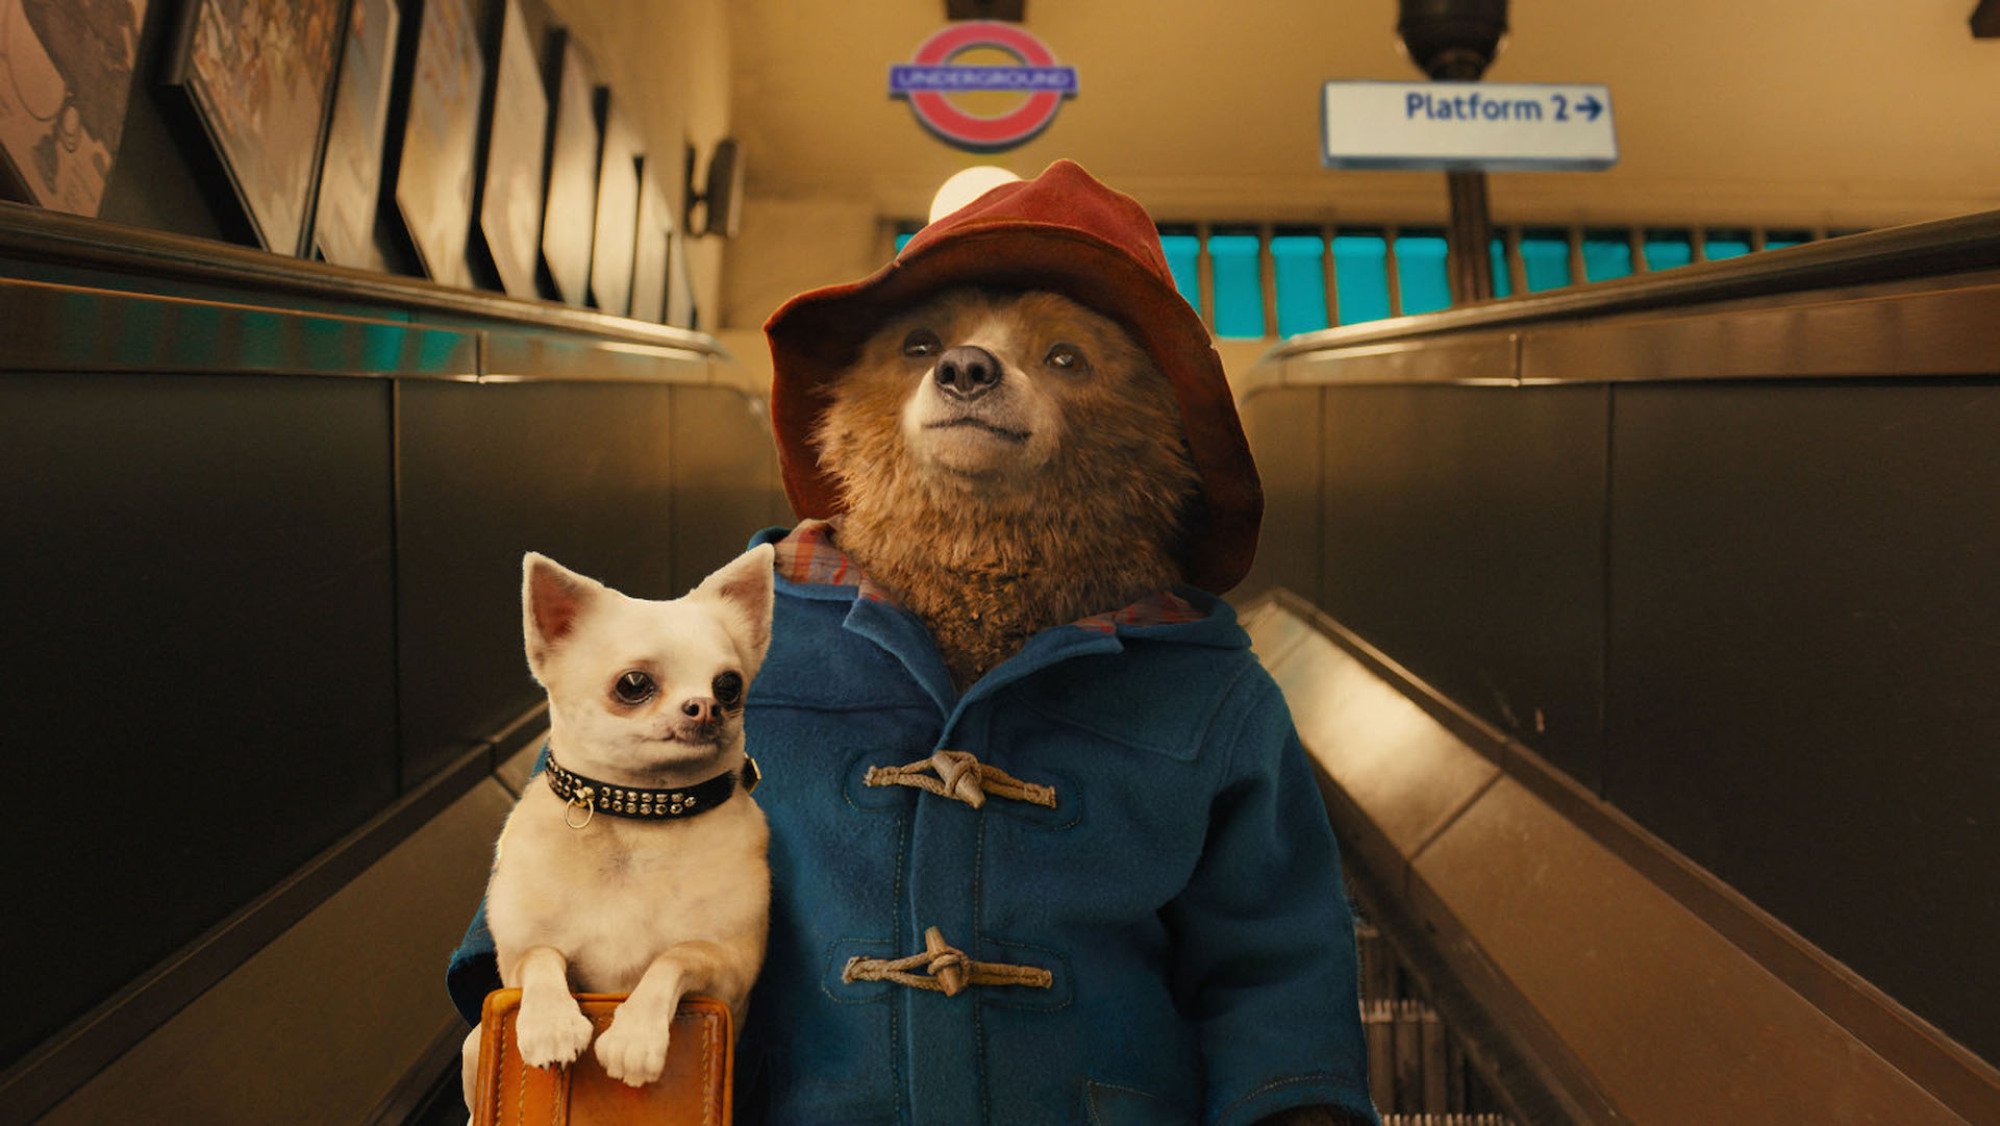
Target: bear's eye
x,y
634,687
728,689
1067,357
921,342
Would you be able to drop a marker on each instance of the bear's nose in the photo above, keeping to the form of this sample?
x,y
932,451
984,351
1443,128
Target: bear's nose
x,y
966,372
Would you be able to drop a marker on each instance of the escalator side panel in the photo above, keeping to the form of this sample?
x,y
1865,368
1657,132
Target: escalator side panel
x,y
1464,535
1802,683
1409,772
1616,994
578,471
320,1024
199,691
1675,1022
1283,426
725,478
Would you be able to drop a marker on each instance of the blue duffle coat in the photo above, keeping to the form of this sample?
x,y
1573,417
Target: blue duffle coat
x,y
1183,892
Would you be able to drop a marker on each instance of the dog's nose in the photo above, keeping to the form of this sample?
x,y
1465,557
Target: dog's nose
x,y
966,372
701,709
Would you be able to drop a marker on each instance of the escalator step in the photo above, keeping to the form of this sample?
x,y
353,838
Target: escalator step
x,y
1416,1066
1378,968
1418,1069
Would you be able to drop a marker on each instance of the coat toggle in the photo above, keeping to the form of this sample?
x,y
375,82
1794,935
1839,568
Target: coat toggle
x,y
960,776
950,969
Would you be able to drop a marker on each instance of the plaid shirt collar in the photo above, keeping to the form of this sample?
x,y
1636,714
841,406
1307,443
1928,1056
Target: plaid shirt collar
x,y
809,555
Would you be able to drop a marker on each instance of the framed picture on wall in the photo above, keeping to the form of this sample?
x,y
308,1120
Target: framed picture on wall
x,y
441,139
350,178
569,220
260,78
65,76
510,206
617,216
649,257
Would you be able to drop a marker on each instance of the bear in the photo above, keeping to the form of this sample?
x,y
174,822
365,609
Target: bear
x,y
1036,477
1044,844
1022,468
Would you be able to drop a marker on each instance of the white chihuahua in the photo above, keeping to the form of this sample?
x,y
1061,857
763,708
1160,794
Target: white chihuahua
x,y
635,863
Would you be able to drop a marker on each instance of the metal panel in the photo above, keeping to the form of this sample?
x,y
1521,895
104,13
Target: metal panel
x,y
199,688
322,1023
1284,429
64,1062
1922,250
1464,537
152,260
186,289
725,468
514,770
1511,1021
1405,771
1484,358
514,356
1674,1023
69,328
486,472
1955,332
1273,632
1802,664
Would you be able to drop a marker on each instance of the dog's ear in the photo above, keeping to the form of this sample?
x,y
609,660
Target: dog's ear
x,y
745,587
553,599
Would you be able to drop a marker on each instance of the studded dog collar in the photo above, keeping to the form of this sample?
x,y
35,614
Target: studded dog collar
x,y
594,797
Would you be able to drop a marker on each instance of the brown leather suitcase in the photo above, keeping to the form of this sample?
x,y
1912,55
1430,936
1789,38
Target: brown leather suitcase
x,y
693,1091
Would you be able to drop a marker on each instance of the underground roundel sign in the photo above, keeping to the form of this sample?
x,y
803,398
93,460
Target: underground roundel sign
x,y
931,78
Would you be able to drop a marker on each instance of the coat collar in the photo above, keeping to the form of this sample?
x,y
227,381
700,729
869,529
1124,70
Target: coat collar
x,y
810,565
811,555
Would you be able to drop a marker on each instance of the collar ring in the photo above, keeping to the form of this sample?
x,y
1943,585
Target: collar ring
x,y
583,798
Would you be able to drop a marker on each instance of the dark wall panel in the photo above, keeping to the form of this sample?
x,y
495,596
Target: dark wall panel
x,y
1805,649
725,479
198,694
577,471
1285,431
1464,537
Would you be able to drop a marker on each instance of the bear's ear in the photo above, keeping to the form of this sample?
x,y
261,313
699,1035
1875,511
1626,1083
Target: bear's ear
x,y
745,589
553,599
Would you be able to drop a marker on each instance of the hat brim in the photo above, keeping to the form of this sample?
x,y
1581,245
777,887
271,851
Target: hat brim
x,y
817,335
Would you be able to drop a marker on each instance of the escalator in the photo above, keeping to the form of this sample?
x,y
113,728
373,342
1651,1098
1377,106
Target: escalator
x,y
1624,626
1419,1069
1583,604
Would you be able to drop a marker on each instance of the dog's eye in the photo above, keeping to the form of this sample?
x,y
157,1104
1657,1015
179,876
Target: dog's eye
x,y
1067,357
634,687
921,342
728,689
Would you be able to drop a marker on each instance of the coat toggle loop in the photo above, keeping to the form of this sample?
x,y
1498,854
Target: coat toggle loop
x,y
947,969
960,776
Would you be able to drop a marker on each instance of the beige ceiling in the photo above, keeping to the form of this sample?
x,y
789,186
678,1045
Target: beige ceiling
x,y
1837,112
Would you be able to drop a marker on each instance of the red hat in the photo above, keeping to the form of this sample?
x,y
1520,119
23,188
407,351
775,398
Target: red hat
x,y
1061,231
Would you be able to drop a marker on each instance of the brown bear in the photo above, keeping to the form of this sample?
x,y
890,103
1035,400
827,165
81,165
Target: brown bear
x,y
1008,462
1045,846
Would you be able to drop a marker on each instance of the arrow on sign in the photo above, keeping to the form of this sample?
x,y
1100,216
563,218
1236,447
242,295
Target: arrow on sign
x,y
1590,107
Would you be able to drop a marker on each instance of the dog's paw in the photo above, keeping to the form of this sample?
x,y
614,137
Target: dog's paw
x,y
634,1049
551,1037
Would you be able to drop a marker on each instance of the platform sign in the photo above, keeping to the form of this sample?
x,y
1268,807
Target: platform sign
x,y
1490,126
